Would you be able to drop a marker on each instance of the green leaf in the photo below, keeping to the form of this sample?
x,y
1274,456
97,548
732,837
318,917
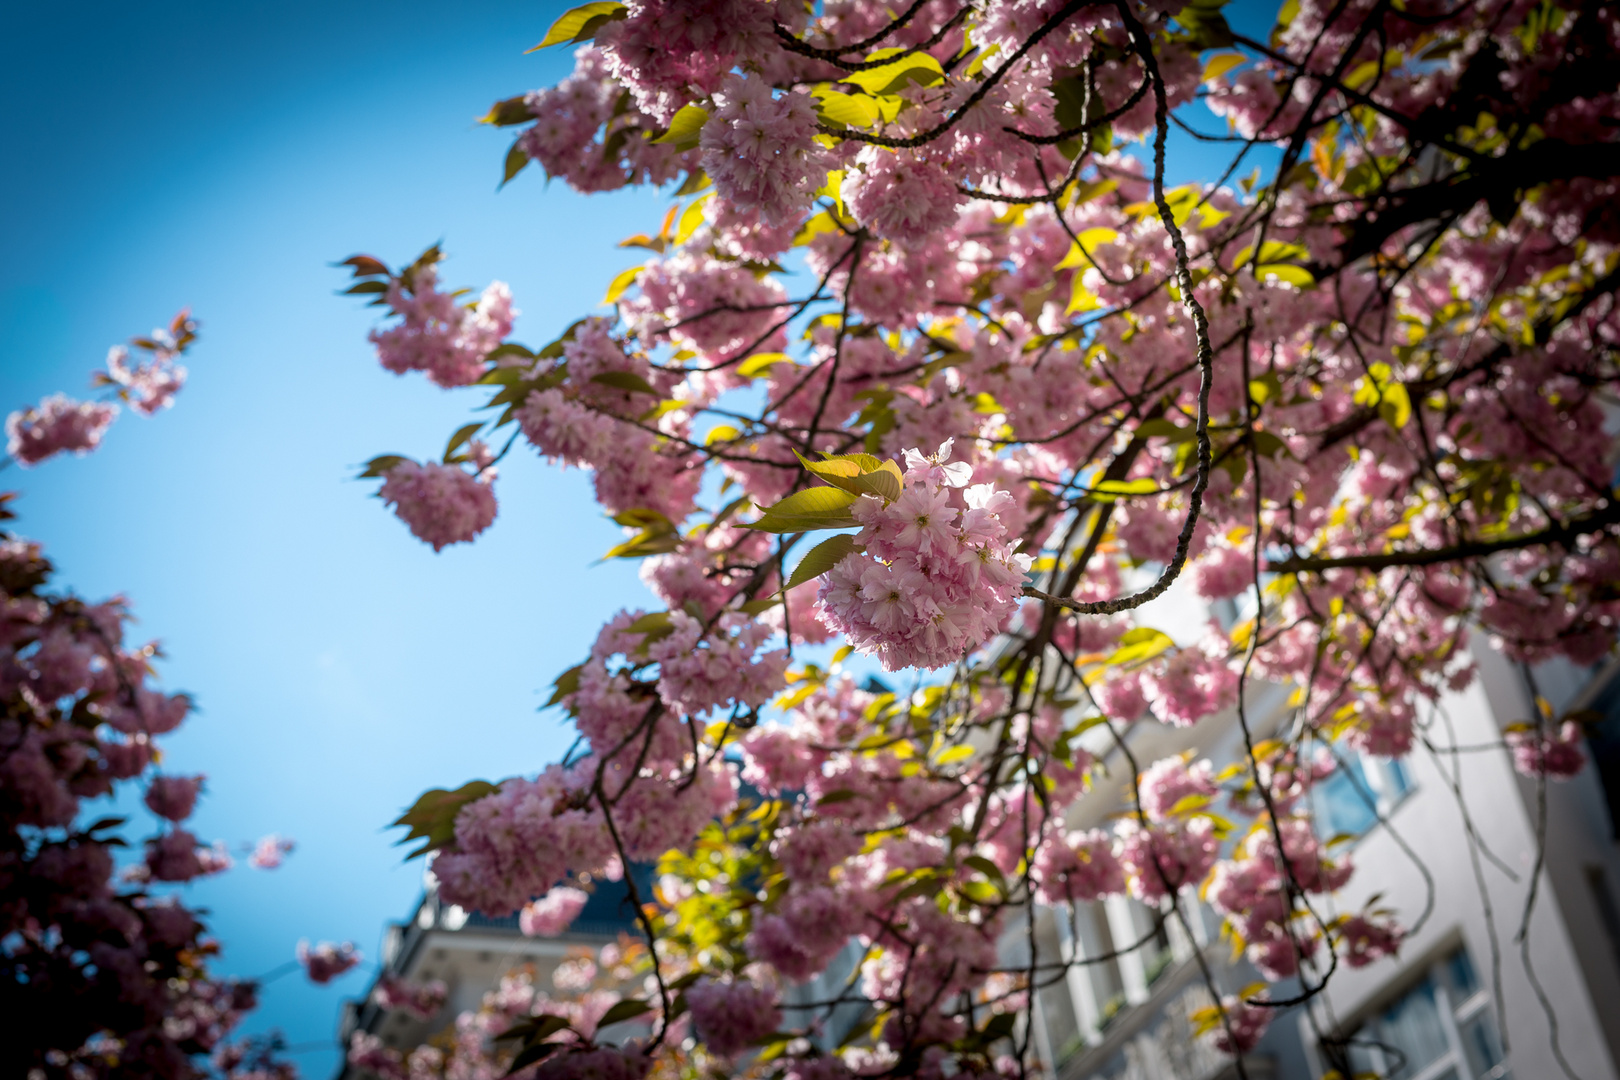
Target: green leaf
x,y
850,110
1165,429
685,127
917,67
955,754
755,607
516,159
858,474
365,287
820,223
984,866
627,1009
820,559
1109,490
534,1029
1090,240
514,110
721,433
433,816
1286,272
501,351
760,363
1220,64
567,683
532,1053
1138,644
379,465
627,381
581,24
623,281
1396,406
812,508
460,438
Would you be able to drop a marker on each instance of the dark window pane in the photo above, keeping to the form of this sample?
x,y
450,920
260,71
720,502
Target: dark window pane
x,y
1412,1029
1479,1043
1464,983
1343,801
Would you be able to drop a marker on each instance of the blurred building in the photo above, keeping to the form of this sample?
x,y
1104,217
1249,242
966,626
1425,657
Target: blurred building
x,y
470,953
1466,999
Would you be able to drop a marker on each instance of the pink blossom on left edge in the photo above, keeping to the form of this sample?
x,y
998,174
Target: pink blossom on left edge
x,y
59,424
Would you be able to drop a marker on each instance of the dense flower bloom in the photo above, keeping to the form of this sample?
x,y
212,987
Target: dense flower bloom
x,y
1557,755
328,960
900,195
731,1016
932,582
173,797
438,335
552,913
269,852
59,424
421,1000
442,504
760,150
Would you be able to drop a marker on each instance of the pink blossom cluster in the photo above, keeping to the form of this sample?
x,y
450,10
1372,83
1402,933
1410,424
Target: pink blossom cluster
x,y
111,961
732,1016
421,1000
900,195
1080,866
270,851
1241,1025
327,960
552,913
576,122
437,334
760,150
932,581
59,424
149,387
1557,755
173,797
442,504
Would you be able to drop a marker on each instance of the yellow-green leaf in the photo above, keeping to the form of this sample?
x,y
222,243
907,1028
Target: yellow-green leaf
x,y
684,127
691,218
1220,64
1090,240
720,433
580,23
812,508
1138,644
1081,298
954,754
1396,406
1286,272
917,67
820,559
1108,490
851,110
760,363
620,283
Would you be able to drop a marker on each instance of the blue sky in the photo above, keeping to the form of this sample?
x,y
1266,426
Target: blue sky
x,y
222,156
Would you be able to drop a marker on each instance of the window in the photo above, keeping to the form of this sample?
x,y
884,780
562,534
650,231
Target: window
x,y
1349,802
1603,738
1440,1029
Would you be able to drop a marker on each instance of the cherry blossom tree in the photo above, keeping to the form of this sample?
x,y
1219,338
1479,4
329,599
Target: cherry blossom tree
x,y
107,969
928,365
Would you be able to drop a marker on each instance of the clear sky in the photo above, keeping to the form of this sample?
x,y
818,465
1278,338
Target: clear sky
x,y
221,156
